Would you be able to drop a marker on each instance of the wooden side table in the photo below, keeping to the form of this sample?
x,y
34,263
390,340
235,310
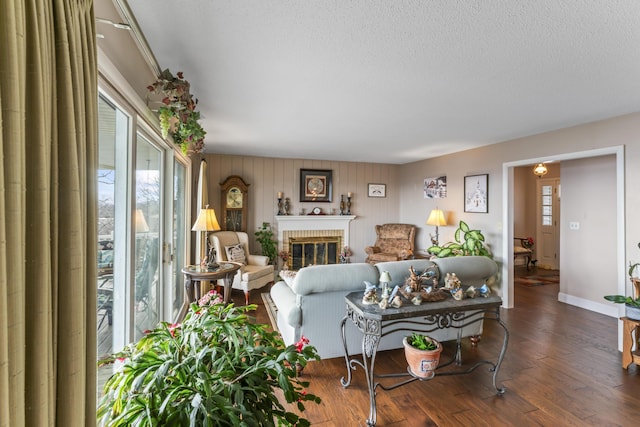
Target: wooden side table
x,y
628,340
195,273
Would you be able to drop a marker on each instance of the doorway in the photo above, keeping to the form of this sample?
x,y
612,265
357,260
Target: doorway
x,y
617,247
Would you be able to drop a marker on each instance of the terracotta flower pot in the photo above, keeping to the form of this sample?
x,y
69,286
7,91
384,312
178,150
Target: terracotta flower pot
x,y
422,363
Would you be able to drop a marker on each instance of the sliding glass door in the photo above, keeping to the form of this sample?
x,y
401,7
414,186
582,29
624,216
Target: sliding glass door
x,y
142,229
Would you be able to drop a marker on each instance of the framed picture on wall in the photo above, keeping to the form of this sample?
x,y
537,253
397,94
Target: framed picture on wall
x,y
435,187
315,185
377,190
476,193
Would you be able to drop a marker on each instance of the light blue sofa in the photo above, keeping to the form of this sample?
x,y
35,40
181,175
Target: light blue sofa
x,y
312,303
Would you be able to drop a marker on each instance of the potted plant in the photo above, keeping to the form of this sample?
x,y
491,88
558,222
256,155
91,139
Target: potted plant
x,y
467,242
178,115
264,236
422,353
632,305
216,368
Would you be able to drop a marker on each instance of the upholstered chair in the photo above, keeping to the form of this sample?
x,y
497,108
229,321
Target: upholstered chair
x,y
394,242
233,246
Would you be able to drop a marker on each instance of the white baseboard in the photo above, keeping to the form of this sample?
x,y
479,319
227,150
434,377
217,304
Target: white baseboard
x,y
608,309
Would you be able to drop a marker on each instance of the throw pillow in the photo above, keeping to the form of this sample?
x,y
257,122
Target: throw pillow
x,y
235,253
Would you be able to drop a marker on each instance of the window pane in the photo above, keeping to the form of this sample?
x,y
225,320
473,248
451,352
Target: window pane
x,y
546,210
546,200
546,190
113,127
546,220
147,293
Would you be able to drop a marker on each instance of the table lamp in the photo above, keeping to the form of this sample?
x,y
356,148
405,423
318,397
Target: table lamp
x,y
206,222
436,217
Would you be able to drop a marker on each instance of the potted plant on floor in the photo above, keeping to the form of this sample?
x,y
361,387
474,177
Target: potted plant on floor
x,y
422,353
217,368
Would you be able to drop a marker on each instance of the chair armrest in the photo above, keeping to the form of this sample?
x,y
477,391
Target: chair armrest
x,y
405,254
258,260
370,250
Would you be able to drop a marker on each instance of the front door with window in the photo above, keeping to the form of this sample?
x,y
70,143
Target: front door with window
x,y
548,216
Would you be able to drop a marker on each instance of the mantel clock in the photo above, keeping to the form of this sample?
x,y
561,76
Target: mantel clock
x,y
235,194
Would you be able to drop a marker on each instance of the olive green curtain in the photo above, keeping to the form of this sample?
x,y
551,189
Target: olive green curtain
x,y
48,157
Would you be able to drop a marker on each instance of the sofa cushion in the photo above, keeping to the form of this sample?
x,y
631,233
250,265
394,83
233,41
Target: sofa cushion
x,y
471,270
236,253
399,270
334,277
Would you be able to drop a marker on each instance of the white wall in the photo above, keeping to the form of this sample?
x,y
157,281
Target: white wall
x,y
624,130
588,258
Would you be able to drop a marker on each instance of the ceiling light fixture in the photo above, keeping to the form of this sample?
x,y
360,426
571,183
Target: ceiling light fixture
x,y
540,170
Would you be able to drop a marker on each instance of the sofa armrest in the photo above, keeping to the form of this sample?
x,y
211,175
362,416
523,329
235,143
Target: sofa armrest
x,y
286,301
370,250
258,260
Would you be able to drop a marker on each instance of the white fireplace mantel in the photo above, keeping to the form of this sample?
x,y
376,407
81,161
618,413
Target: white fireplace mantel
x,y
314,222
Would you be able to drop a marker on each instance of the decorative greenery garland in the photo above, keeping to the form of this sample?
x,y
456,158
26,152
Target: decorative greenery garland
x,y
178,115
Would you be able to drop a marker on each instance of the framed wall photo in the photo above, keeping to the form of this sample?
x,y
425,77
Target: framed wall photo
x,y
435,187
315,185
476,193
377,190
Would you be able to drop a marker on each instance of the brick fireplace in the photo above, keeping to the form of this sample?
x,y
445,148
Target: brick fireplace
x,y
313,239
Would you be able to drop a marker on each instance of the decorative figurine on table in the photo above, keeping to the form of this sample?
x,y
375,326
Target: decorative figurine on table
x,y
484,291
370,294
457,293
451,281
384,302
396,302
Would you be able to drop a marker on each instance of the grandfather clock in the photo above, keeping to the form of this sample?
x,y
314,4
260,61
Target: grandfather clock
x,y
235,194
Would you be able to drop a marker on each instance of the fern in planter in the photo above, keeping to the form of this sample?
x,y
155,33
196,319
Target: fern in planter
x,y
217,368
467,242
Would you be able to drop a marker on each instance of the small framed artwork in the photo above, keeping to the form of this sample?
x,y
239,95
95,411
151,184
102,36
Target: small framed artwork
x,y
315,185
377,190
435,187
476,193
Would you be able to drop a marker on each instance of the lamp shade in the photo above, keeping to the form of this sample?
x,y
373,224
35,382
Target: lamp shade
x,y
436,217
385,277
141,222
206,221
540,170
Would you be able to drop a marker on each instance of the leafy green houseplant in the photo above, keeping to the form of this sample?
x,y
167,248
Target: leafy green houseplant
x,y
264,236
467,242
632,304
422,342
422,353
178,115
217,368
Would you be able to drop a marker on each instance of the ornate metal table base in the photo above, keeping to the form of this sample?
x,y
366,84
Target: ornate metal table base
x,y
375,324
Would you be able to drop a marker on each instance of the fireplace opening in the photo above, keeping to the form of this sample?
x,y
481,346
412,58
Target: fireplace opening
x,y
307,251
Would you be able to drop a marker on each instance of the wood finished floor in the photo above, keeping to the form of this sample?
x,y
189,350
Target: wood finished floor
x,y
562,368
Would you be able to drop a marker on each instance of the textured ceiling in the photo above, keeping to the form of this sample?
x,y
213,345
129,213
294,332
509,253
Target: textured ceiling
x,y
394,81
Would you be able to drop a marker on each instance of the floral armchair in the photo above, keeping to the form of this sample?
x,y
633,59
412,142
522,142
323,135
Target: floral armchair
x,y
394,242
